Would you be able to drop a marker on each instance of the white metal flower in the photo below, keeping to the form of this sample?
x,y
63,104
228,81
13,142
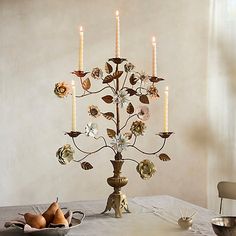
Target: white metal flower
x,y
122,98
91,129
143,113
120,142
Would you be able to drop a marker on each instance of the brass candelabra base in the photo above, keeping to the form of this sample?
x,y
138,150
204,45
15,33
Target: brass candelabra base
x,y
117,200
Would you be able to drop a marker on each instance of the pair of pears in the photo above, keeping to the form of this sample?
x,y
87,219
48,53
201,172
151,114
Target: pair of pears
x,y
53,215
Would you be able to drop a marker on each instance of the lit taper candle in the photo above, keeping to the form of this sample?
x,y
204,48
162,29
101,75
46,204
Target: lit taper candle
x,y
154,57
81,49
73,106
117,51
166,109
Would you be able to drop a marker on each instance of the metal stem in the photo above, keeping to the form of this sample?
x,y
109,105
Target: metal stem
x,y
125,80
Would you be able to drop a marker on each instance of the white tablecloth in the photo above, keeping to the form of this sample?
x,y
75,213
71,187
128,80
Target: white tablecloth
x,y
152,216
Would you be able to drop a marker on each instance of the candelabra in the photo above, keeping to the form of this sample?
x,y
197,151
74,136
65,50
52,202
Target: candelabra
x,y
124,84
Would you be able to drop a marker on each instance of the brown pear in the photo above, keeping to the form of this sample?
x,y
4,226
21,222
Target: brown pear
x,y
50,212
35,221
59,218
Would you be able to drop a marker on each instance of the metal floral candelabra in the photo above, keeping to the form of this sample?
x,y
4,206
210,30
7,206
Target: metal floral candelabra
x,y
123,85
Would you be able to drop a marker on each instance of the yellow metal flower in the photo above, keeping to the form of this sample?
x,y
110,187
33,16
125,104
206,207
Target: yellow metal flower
x,y
137,128
65,154
146,169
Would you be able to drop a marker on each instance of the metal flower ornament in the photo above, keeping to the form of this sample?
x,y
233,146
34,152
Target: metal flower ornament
x,y
123,85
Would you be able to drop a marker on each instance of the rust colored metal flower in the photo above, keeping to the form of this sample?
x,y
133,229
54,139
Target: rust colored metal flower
x,y
62,89
137,128
94,111
97,73
153,92
65,154
146,169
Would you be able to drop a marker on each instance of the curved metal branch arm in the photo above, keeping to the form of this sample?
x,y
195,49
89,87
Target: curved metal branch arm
x,y
73,139
149,153
105,142
93,92
92,152
128,121
99,149
130,159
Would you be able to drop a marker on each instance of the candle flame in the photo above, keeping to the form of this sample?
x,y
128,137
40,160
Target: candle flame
x,y
117,13
153,39
81,28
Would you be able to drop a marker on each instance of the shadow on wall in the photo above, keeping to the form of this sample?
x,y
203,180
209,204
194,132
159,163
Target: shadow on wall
x,y
219,137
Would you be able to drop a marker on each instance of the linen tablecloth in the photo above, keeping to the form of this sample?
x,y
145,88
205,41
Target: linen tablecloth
x,y
155,215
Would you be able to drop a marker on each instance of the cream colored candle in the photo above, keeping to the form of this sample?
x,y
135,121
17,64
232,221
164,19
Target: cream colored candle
x,y
117,51
166,110
73,106
81,49
154,57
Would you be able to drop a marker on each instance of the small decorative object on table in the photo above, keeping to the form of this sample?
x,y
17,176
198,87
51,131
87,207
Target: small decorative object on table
x,y
186,222
123,86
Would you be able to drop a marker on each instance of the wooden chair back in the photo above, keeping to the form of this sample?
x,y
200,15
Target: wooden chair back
x,y
226,190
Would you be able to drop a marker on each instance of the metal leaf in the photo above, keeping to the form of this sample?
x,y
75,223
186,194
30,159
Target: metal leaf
x,y
107,99
131,92
130,108
144,99
108,115
155,79
111,133
108,68
132,80
86,165
164,157
117,74
108,79
86,84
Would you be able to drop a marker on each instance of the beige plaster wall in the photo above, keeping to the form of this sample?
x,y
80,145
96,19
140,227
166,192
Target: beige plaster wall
x,y
38,45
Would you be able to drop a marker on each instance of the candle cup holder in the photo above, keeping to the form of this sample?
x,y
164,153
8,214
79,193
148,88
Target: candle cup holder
x,y
155,79
117,60
165,134
73,134
79,73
